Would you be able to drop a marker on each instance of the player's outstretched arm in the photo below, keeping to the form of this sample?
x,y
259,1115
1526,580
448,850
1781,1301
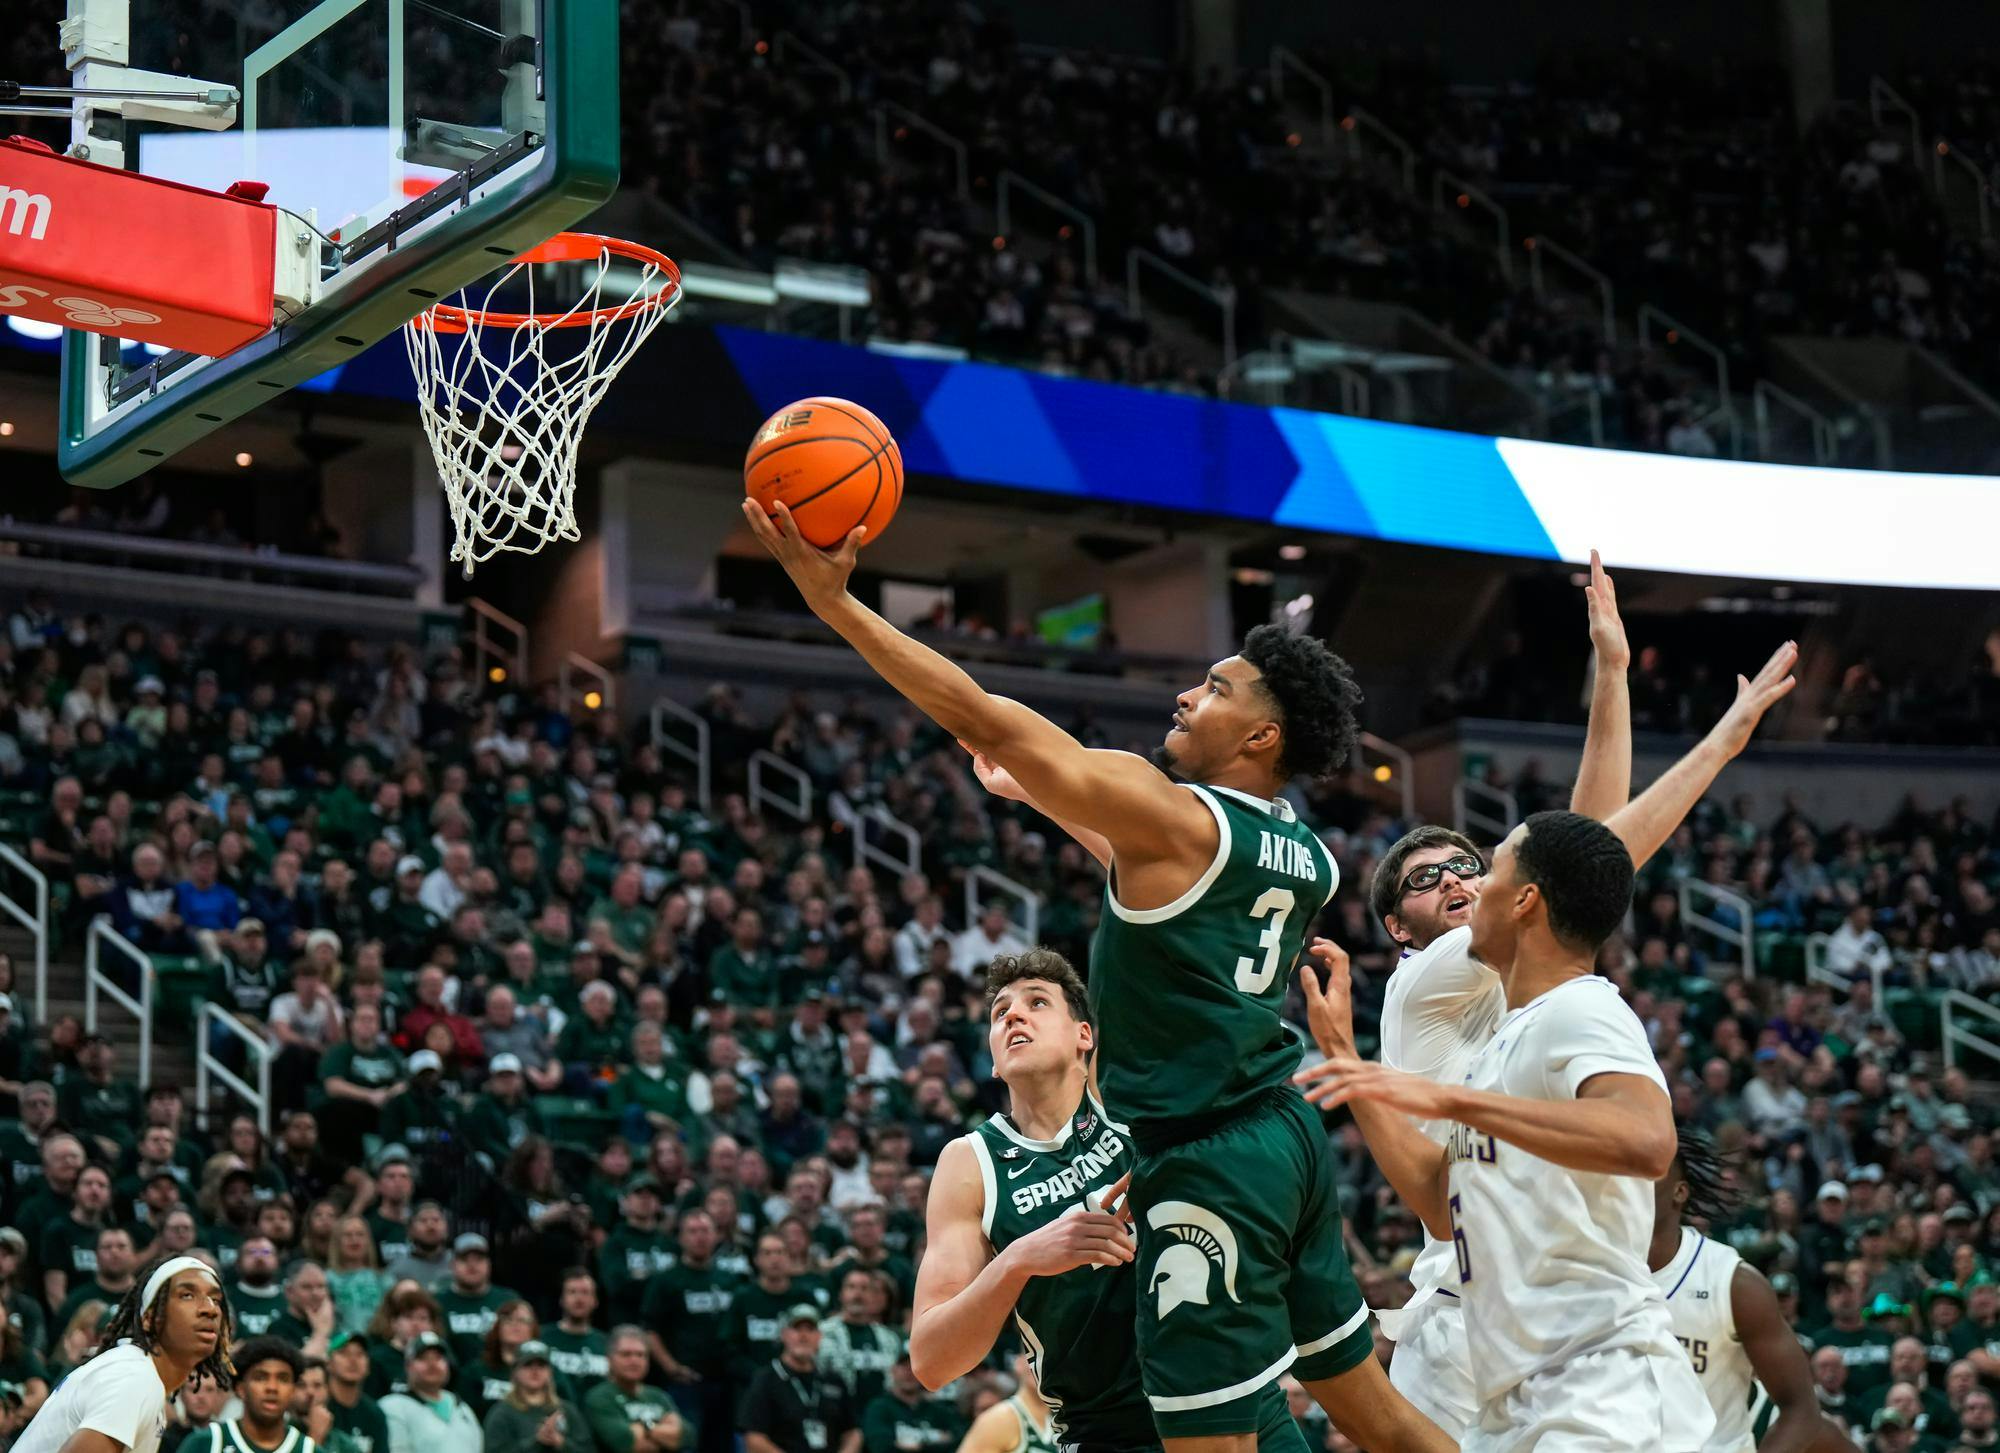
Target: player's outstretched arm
x,y
1780,1364
965,1292
1649,819
1413,1164
1124,797
1604,777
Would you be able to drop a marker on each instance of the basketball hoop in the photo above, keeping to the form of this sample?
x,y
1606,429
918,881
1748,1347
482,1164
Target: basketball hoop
x,y
505,425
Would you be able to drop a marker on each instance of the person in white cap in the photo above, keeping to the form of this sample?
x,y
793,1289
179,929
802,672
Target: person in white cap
x,y
173,1325
424,1114
503,1116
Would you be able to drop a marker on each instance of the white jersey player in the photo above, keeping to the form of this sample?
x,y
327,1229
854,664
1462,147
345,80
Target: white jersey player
x,y
1544,1188
1727,1319
173,1323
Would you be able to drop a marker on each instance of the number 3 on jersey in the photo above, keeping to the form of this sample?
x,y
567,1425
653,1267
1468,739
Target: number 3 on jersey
x,y
1252,975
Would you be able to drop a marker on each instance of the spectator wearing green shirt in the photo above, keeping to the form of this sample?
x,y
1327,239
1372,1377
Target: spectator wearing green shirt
x,y
650,1096
423,1114
906,1419
533,1417
112,1279
356,1416
757,1311
867,1225
635,1250
628,1415
624,912
96,1103
256,1297
744,970
470,1301
575,1346
69,1242
685,1315
354,1275
856,1346
503,1116
592,1044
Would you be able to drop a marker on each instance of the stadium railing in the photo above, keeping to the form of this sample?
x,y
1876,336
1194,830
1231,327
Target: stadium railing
x,y
211,1021
35,920
100,936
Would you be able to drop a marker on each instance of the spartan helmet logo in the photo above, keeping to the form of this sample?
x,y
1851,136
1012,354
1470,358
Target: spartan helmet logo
x,y
1181,1272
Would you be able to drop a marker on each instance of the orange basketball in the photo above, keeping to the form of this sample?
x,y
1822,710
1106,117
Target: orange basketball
x,y
832,464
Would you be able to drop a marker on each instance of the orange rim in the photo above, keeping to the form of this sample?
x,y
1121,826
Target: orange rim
x,y
565,247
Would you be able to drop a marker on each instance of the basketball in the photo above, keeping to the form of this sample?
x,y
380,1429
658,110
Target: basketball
x,y
832,463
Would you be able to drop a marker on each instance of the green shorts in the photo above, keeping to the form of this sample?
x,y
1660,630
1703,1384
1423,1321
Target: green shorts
x,y
1242,1271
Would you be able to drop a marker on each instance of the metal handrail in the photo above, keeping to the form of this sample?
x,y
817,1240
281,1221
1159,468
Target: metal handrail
x,y
867,853
1359,119
207,1065
96,981
697,754
1884,97
1402,771
1819,972
761,761
1945,153
1465,816
1764,393
1744,937
959,150
1537,245
1137,257
575,665
36,923
486,619
1467,195
1679,332
1030,921
1008,180
1956,1003
785,40
1283,59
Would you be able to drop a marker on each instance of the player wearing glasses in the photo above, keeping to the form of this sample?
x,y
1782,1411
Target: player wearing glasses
x,y
1442,1004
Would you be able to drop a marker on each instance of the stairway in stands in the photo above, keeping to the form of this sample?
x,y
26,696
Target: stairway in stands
x,y
173,1054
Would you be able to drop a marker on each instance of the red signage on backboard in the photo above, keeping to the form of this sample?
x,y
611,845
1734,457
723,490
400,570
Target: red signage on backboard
x,y
110,251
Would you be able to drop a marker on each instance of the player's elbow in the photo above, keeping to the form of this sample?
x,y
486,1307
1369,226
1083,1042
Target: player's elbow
x,y
1652,1147
933,1371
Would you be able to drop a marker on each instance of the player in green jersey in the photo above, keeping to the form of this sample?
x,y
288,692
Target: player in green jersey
x,y
1212,884
1017,1424
1018,1226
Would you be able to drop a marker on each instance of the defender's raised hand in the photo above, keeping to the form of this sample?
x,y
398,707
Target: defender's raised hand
x,y
1607,629
1756,696
821,575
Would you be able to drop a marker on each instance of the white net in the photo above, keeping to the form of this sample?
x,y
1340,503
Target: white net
x,y
505,413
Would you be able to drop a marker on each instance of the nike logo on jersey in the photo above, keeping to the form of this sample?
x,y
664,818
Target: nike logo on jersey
x,y
1066,1184
1286,855
1018,1171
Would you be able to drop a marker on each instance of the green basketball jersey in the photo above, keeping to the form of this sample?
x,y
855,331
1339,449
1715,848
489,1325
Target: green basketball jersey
x,y
1187,997
1034,1438
1077,1328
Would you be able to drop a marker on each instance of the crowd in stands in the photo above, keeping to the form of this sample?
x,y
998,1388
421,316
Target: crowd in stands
x,y
570,1074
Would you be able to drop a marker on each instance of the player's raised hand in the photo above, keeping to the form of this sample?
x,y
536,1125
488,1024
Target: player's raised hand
x,y
1340,1080
1607,628
821,575
1329,1010
994,777
1080,1238
1755,696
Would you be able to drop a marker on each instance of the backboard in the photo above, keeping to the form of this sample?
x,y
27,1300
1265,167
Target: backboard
x,y
413,147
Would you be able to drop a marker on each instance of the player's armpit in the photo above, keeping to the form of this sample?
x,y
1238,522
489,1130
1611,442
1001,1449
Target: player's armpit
x,y
1126,798
951,1326
1780,1364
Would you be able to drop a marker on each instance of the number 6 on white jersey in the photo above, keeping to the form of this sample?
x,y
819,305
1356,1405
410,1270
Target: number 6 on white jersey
x,y
1251,976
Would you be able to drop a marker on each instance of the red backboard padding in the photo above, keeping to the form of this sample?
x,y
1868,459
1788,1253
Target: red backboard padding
x,y
111,251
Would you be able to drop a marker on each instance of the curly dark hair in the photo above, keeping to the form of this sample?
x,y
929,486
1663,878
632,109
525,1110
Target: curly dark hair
x,y
141,1326
1584,872
1313,695
1039,963
268,1349
1705,1169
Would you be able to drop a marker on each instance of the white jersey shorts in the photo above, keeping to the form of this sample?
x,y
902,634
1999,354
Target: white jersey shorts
x,y
1432,1366
1601,1402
